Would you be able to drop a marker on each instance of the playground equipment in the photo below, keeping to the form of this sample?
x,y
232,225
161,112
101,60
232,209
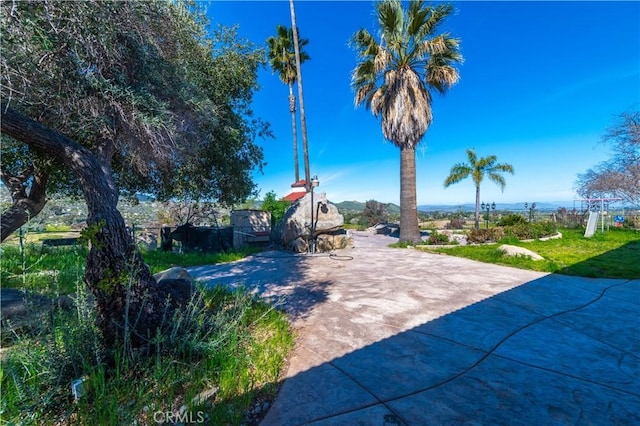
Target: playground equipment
x,y
597,208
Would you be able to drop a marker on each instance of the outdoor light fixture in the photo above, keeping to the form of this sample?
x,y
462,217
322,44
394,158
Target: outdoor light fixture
x,y
531,209
314,184
488,207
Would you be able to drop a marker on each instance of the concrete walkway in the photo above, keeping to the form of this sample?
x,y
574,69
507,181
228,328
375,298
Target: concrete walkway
x,y
402,337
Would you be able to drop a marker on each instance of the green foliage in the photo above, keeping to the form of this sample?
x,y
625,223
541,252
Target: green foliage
x,y
482,236
277,207
512,219
529,231
126,77
282,56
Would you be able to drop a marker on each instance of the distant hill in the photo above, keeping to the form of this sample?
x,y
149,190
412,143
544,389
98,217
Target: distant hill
x,y
357,206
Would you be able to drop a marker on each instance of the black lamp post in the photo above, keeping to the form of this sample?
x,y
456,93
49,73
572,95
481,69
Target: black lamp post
x,y
488,207
314,183
531,209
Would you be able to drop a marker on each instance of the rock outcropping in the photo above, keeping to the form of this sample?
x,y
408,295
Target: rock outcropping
x,y
294,233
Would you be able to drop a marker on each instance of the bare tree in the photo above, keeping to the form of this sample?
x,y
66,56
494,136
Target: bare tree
x,y
619,176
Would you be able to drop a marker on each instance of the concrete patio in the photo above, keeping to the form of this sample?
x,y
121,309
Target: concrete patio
x,y
402,337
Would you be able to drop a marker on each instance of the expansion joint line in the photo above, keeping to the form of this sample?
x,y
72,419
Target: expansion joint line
x,y
507,337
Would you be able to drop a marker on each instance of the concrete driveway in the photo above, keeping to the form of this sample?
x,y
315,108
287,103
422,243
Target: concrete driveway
x,y
402,337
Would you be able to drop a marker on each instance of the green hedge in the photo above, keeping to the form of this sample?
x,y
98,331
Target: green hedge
x,y
521,231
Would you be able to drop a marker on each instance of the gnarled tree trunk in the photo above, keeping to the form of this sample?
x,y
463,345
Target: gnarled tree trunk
x,y
130,306
25,206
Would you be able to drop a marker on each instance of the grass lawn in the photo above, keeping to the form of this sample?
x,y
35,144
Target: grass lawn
x,y
218,363
612,254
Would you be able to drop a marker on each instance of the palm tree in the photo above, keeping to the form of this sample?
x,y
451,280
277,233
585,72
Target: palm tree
x,y
282,58
303,118
394,79
477,169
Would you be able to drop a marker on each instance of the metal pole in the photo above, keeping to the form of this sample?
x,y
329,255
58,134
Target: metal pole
x,y
313,246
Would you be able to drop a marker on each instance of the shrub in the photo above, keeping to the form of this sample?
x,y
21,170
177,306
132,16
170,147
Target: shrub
x,y
480,236
512,219
437,239
455,223
528,231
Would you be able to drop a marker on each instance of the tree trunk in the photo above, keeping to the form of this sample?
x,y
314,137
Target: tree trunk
x,y
409,229
477,221
303,119
25,206
292,109
130,306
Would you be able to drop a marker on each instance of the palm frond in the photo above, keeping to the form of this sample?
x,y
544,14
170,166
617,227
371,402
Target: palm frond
x,y
458,173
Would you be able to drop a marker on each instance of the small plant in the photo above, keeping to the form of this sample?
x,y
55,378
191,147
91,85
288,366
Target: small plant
x,y
437,239
402,244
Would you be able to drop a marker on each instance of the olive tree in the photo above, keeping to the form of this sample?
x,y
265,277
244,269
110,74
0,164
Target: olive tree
x,y
105,97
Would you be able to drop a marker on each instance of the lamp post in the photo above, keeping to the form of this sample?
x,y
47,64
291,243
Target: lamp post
x,y
314,184
488,207
531,209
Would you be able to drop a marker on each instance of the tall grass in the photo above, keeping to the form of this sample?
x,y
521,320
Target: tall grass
x,y
220,353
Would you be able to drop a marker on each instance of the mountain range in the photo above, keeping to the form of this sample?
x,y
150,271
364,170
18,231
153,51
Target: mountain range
x,y
358,206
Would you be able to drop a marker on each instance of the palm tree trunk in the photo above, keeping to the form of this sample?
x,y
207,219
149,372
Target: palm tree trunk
x,y
477,220
409,230
303,120
292,109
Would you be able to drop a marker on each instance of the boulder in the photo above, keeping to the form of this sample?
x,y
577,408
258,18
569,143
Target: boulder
x,y
329,242
296,223
175,273
510,250
176,284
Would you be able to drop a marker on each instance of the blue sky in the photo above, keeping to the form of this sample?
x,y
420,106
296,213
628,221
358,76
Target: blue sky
x,y
540,83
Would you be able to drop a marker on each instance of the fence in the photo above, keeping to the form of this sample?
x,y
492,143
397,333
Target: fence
x,y
574,218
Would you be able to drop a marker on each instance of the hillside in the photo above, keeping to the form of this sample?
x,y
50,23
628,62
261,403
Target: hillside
x,y
357,206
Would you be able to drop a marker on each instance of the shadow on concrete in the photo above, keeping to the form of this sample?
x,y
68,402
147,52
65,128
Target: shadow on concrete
x,y
280,278
555,350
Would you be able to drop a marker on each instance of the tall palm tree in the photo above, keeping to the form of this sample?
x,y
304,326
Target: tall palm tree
x,y
394,79
478,169
303,118
282,58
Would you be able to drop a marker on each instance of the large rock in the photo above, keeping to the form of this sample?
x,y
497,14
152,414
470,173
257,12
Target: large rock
x,y
296,223
510,250
329,242
176,283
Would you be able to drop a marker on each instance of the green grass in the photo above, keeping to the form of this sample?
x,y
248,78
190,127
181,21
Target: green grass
x,y
56,269
159,260
612,254
222,354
